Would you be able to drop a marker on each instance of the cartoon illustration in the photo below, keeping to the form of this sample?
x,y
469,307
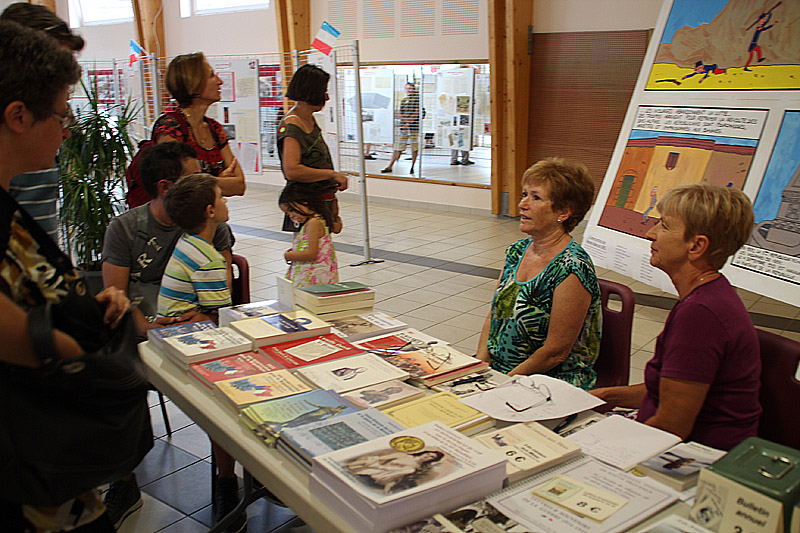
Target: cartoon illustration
x,y
653,202
192,340
245,385
217,366
711,37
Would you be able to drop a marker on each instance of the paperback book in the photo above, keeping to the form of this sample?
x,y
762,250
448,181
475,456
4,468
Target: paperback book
x,y
234,366
268,419
254,309
336,302
240,392
311,350
389,481
351,373
360,326
156,336
281,327
443,407
529,448
384,395
204,345
680,466
317,438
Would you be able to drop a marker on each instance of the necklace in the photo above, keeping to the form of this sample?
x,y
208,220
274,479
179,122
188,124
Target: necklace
x,y
702,278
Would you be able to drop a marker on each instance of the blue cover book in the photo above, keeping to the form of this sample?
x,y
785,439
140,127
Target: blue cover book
x,y
283,323
156,336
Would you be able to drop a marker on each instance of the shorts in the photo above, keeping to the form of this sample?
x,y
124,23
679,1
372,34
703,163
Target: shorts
x,y
411,138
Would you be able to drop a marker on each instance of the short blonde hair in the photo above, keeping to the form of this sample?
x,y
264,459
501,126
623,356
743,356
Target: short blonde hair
x,y
570,183
723,214
186,75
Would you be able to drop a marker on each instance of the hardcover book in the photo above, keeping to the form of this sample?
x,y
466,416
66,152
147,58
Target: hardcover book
x,y
384,395
234,366
360,326
251,389
254,309
311,350
281,327
343,375
268,419
204,345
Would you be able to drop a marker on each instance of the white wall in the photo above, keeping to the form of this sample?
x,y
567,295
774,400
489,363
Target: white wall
x,y
553,16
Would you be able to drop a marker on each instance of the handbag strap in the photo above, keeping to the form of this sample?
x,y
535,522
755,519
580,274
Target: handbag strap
x,y
40,330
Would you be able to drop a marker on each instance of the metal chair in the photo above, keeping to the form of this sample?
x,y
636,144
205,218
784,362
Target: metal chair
x,y
613,363
780,389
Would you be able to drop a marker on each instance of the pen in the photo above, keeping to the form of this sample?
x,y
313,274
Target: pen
x,y
470,380
564,423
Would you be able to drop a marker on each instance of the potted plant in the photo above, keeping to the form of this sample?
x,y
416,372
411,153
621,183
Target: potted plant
x,y
93,162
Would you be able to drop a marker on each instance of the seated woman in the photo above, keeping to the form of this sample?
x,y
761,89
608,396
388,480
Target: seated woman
x,y
546,315
702,383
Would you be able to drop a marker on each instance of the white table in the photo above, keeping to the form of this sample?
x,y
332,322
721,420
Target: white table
x,y
287,481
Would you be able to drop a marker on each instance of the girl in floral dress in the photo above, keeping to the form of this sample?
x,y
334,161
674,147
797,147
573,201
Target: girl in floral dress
x,y
312,259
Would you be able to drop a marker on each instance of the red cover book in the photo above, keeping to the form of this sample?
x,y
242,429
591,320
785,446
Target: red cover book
x,y
311,350
231,367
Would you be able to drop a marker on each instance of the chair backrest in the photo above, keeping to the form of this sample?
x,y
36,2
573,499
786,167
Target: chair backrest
x,y
780,389
240,289
613,364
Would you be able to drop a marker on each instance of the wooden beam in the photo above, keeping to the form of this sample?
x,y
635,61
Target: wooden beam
x,y
49,4
299,24
509,22
149,20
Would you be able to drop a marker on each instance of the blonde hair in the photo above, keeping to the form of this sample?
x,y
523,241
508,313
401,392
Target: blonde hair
x,y
723,214
570,183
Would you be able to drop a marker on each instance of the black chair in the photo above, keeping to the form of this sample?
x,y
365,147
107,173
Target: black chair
x,y
780,389
613,364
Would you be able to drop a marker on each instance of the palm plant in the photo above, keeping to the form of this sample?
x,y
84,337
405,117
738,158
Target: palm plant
x,y
93,162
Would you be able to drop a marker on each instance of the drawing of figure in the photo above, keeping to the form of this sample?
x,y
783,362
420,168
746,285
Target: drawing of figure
x,y
322,412
395,471
373,396
762,22
700,68
216,366
653,202
348,373
245,385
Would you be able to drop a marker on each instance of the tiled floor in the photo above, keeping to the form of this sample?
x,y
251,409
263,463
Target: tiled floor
x,y
438,275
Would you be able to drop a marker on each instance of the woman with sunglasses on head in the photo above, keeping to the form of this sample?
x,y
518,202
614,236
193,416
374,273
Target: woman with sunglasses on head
x,y
703,381
546,315
305,159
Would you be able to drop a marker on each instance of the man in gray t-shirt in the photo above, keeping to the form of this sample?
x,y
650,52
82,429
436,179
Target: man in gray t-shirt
x,y
139,243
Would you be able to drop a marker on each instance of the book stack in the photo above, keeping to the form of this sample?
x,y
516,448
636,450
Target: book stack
x,y
310,350
351,373
335,300
529,448
425,358
357,327
443,407
254,309
240,392
281,327
196,342
680,466
270,418
392,480
302,444
234,366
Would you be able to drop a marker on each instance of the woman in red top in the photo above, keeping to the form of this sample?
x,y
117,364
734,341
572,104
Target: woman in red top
x,y
194,85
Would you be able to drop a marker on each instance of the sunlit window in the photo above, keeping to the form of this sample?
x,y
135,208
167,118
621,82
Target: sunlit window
x,y
85,12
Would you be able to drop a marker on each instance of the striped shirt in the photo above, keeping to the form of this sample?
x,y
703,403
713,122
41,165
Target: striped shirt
x,y
37,193
196,279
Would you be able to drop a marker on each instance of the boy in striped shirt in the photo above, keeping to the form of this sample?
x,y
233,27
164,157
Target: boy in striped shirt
x,y
196,277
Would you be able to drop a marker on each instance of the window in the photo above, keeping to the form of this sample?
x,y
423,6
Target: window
x,y
88,12
202,7
672,160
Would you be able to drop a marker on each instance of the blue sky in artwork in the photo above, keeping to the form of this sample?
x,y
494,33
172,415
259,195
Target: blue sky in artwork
x,y
692,13
646,134
782,164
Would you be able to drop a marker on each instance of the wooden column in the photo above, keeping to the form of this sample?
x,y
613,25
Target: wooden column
x,y
49,4
293,34
509,23
149,19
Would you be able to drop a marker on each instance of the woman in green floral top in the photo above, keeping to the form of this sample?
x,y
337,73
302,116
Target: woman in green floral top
x,y
546,314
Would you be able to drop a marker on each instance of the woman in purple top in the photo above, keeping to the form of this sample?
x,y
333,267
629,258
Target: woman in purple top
x,y
702,383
